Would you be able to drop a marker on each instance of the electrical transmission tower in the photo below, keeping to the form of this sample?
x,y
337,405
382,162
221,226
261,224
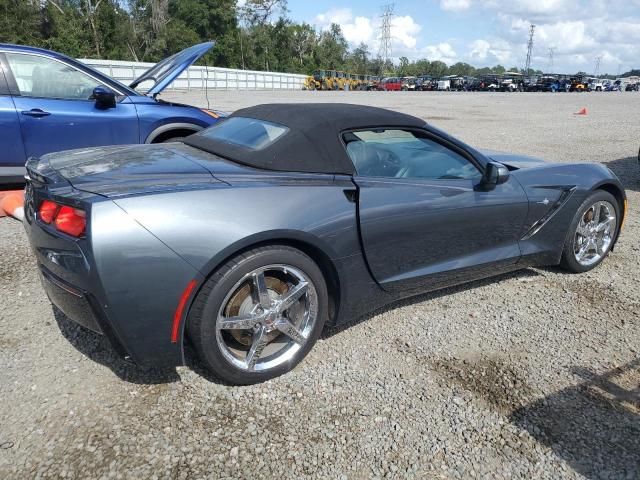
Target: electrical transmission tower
x,y
527,67
384,50
551,52
596,72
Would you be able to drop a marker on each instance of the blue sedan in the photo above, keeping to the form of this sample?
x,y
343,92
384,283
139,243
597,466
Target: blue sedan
x,y
50,102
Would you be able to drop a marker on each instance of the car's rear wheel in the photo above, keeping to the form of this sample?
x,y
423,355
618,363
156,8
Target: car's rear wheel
x,y
592,232
259,315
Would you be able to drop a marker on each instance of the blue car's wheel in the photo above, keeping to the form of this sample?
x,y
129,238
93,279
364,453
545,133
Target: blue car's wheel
x,y
259,314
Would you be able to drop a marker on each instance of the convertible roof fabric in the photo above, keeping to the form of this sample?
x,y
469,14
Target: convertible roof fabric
x,y
313,143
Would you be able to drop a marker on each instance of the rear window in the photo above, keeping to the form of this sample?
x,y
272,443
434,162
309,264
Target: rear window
x,y
246,132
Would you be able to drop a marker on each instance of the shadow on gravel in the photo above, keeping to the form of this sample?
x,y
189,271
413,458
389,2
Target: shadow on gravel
x,y
628,171
424,297
98,349
595,426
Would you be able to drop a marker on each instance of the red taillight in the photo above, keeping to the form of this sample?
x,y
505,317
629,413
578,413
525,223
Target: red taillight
x,y
48,210
69,220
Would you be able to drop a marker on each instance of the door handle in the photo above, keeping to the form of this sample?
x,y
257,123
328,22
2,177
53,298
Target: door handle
x,y
35,112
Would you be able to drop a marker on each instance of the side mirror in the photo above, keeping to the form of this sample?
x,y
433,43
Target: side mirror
x,y
494,174
104,97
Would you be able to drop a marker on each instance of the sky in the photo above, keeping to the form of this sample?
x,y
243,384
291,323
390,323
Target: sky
x,y
490,32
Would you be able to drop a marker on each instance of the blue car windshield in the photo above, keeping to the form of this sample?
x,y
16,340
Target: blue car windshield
x,y
246,132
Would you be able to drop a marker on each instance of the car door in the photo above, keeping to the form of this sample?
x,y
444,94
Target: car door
x,y
52,100
12,151
426,221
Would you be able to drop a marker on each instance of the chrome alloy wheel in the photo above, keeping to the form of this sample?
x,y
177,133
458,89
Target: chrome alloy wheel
x,y
594,233
267,317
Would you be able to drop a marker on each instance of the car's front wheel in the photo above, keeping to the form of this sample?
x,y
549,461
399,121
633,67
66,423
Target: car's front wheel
x,y
259,314
592,232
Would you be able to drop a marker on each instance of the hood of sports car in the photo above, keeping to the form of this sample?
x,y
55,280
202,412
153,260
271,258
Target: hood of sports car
x,y
130,169
513,161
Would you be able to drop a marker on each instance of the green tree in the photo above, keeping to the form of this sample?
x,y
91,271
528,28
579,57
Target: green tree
x,y
438,68
20,22
461,69
331,49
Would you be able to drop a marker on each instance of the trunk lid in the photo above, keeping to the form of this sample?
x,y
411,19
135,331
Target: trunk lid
x,y
123,170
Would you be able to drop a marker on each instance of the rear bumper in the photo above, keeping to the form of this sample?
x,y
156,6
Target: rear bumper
x,y
71,301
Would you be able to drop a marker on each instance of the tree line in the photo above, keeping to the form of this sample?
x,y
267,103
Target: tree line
x,y
258,35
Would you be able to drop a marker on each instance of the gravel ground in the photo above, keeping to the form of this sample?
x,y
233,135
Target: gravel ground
x,y
530,375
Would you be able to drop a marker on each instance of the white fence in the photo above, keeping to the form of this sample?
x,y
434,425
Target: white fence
x,y
197,77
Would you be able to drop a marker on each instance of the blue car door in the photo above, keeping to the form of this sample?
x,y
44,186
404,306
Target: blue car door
x,y
12,151
424,222
52,101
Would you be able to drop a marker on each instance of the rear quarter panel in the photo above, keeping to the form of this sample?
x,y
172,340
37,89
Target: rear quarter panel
x,y
204,226
138,281
207,227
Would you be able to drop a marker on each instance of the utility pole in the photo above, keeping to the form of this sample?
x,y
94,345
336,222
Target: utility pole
x,y
597,69
551,52
384,51
527,67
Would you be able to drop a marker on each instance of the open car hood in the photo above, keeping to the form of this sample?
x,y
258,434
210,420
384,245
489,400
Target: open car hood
x,y
166,71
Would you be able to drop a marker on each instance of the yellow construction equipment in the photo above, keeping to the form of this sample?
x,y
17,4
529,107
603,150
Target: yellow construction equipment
x,y
338,80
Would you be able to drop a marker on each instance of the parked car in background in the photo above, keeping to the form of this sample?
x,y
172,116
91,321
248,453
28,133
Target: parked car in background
x,y
50,102
613,86
390,84
425,83
444,84
512,82
596,85
408,83
488,83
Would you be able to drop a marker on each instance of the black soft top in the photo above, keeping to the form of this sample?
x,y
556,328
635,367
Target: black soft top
x,y
313,142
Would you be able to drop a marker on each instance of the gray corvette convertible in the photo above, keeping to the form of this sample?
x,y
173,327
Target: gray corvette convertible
x,y
249,237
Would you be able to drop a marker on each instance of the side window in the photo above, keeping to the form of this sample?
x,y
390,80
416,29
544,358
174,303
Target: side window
x,y
405,154
44,77
4,88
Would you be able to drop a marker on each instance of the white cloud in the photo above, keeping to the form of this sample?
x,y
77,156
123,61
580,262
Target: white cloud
x,y
455,5
404,31
578,32
442,51
360,30
334,15
363,29
490,52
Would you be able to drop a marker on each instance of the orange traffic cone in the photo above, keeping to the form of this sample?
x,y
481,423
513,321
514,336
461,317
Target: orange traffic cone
x,y
13,204
582,111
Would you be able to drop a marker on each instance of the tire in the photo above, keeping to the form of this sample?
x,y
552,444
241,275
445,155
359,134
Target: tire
x,y
569,259
221,350
172,139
